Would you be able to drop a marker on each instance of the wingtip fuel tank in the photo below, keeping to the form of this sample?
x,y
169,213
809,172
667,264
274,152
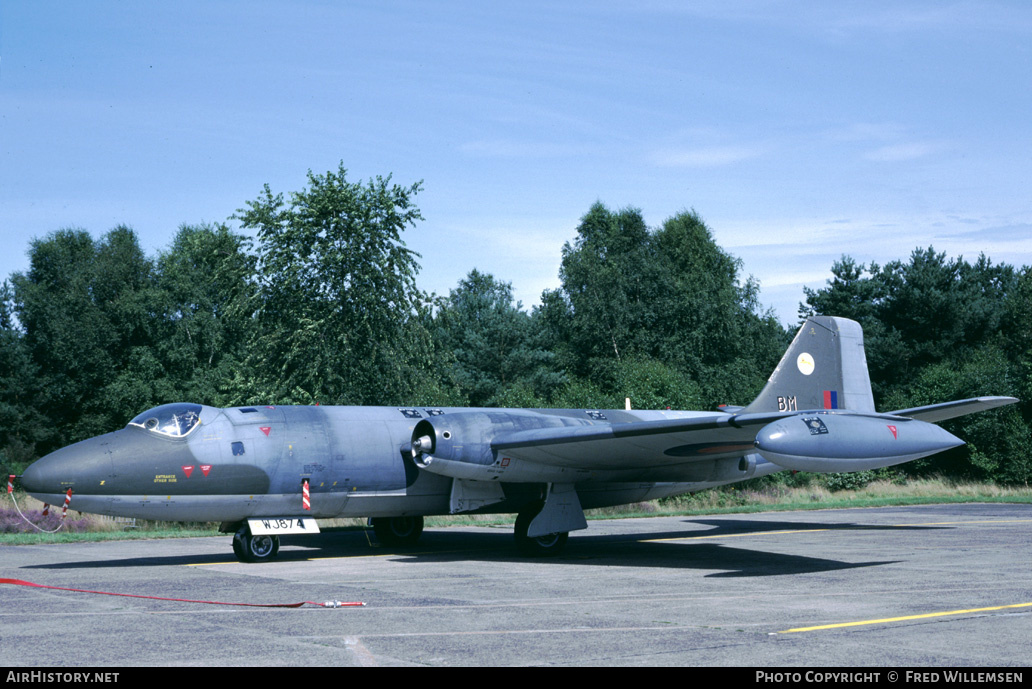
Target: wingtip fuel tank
x,y
828,442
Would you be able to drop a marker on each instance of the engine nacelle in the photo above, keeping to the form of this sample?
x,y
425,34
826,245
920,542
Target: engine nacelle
x,y
838,442
459,445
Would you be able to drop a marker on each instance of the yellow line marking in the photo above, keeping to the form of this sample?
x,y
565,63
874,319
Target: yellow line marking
x,y
903,619
388,553
979,521
862,527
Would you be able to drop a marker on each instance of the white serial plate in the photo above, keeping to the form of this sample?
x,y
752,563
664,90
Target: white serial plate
x,y
280,525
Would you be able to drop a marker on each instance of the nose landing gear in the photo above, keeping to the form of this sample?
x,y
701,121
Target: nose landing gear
x,y
250,548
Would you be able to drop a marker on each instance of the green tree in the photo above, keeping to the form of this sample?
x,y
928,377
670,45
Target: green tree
x,y
708,322
916,313
21,423
943,306
651,384
1017,335
84,306
937,329
206,283
339,315
493,342
605,302
849,294
998,441
670,295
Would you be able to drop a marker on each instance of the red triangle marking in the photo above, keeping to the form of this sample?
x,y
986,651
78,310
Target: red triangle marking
x,y
188,471
265,430
893,429
205,468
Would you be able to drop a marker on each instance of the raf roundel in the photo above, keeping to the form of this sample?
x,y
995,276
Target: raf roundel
x,y
805,364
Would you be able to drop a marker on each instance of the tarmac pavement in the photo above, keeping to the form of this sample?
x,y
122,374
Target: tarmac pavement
x,y
909,586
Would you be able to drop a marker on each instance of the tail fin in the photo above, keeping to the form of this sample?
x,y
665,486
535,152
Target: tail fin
x,y
824,368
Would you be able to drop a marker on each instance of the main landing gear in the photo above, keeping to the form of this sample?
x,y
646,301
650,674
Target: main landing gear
x,y
547,545
542,527
250,548
397,531
541,546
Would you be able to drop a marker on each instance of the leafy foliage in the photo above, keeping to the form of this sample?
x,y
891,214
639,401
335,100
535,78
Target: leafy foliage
x,y
669,295
84,307
323,306
22,423
338,308
498,356
937,329
854,480
206,282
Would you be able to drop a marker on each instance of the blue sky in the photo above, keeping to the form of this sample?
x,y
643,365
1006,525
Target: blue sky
x,y
799,131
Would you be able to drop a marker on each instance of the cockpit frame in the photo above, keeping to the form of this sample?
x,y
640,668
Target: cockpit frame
x,y
176,420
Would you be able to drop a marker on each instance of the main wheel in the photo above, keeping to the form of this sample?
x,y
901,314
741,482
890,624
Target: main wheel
x,y
541,546
395,531
250,548
238,544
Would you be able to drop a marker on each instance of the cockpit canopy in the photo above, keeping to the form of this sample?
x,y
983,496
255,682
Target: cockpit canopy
x,y
173,420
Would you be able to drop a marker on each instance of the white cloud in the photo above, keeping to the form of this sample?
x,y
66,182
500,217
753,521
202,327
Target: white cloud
x,y
902,152
512,148
712,156
524,252
785,255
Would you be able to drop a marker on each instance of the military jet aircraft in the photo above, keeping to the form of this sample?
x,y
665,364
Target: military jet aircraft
x,y
267,470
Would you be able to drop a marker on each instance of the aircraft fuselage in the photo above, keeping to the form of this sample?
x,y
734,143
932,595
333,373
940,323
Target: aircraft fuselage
x,y
247,462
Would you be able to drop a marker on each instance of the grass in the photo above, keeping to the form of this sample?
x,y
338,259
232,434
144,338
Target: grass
x,y
881,493
777,498
731,499
79,527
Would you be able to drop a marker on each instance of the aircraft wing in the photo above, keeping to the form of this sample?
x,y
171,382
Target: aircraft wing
x,y
637,445
646,444
948,410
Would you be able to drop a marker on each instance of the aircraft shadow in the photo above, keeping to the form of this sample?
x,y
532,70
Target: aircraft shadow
x,y
671,549
683,549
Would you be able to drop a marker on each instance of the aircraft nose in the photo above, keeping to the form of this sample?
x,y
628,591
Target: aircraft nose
x,y
80,466
38,477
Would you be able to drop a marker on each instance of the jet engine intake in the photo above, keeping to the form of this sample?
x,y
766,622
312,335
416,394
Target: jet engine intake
x,y
459,445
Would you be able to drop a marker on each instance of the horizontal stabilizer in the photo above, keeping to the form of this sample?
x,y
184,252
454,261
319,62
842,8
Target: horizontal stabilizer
x,y
948,410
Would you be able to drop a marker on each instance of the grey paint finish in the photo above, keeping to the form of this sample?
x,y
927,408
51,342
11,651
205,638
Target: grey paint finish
x,y
198,463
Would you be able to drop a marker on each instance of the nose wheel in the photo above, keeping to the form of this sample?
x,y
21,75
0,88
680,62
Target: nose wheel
x,y
250,548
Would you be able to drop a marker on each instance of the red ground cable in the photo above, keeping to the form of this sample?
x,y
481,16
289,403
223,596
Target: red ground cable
x,y
327,604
